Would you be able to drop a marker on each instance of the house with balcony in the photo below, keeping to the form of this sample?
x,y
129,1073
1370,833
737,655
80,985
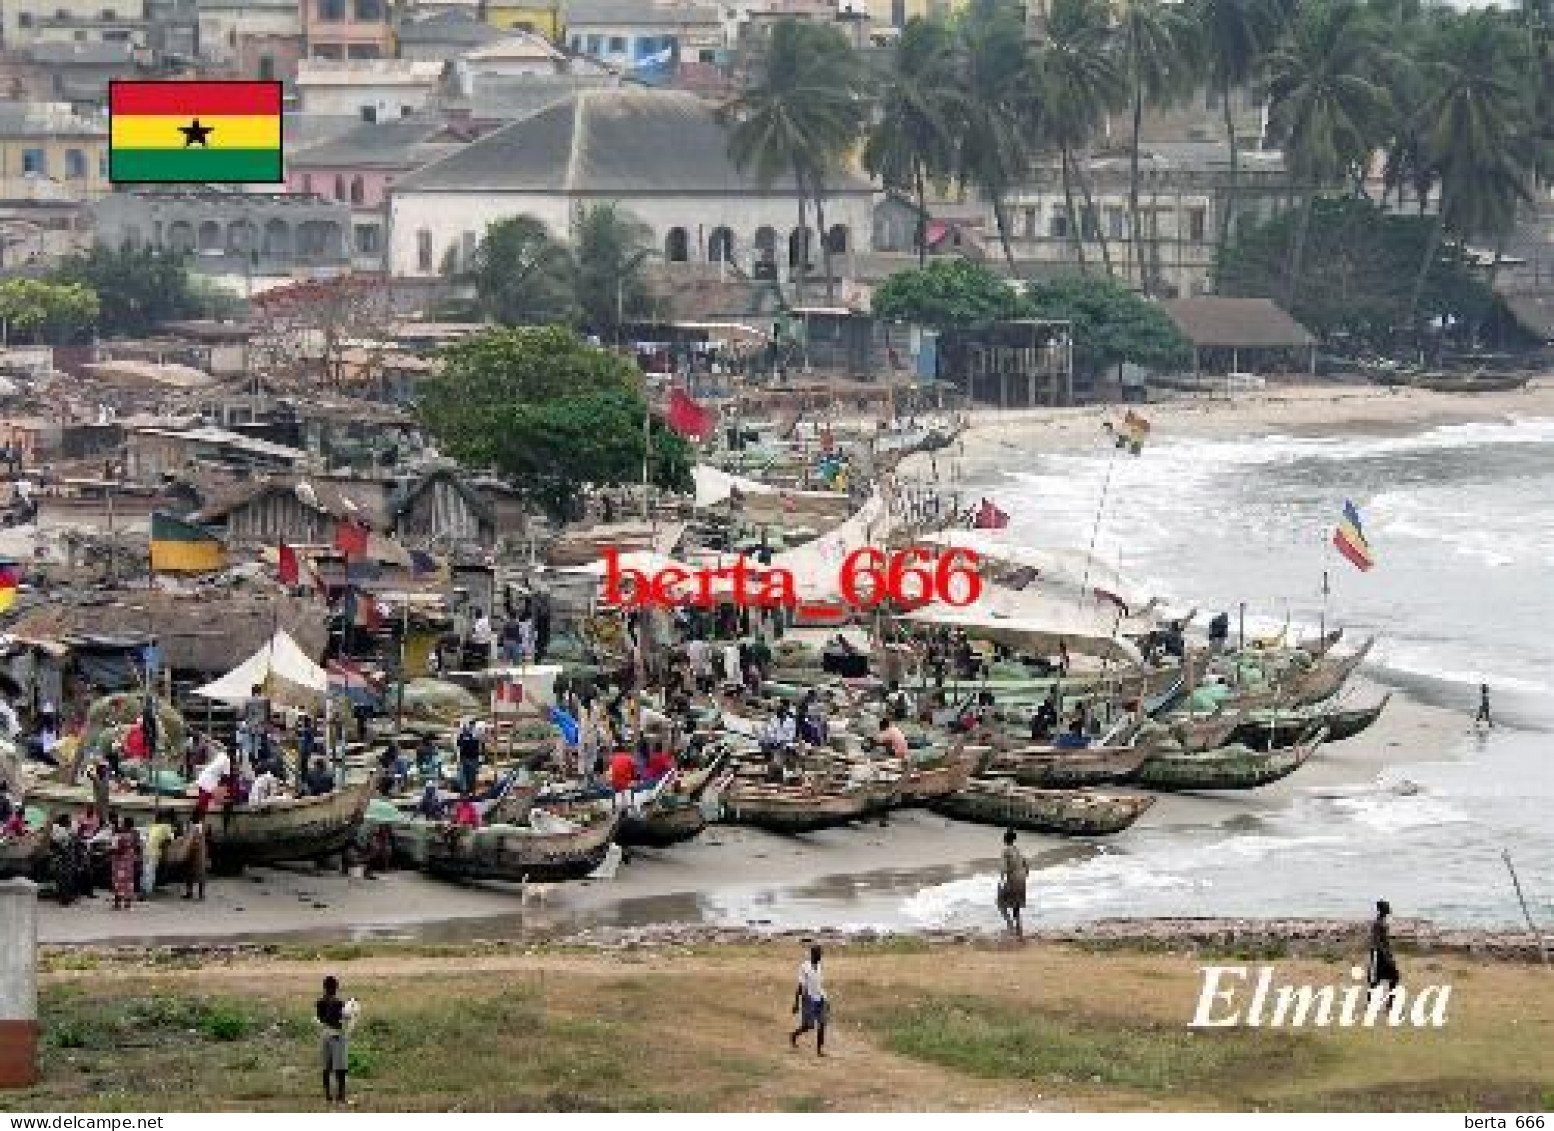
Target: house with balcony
x,y
348,29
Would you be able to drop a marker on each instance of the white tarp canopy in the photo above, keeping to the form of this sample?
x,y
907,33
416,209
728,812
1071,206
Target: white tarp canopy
x,y
1071,569
817,566
713,485
280,667
1036,622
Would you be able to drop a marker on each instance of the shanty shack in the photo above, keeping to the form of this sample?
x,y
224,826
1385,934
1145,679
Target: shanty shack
x,y
440,508
299,512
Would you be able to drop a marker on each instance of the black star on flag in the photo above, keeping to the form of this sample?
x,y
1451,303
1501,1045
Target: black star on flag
x,y
196,134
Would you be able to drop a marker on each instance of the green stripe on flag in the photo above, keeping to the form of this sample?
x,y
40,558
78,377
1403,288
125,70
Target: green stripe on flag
x,y
174,165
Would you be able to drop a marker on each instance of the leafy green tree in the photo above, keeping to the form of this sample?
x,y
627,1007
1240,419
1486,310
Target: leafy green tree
x,y
799,115
947,293
995,145
1161,61
54,312
1079,81
1478,130
1111,324
137,289
612,285
1361,263
549,413
913,138
523,275
1326,110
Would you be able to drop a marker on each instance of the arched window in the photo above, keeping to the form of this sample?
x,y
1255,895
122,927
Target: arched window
x,y
356,190
277,239
720,246
240,237
836,239
180,235
676,246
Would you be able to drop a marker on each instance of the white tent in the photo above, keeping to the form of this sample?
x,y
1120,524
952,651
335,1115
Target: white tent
x,y
1035,621
280,667
714,485
817,566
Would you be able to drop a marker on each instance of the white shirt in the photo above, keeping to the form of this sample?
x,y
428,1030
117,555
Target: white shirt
x,y
481,633
810,983
696,652
731,671
265,788
210,777
780,729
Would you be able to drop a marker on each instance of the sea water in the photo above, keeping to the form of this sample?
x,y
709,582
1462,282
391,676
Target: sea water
x,y
1461,523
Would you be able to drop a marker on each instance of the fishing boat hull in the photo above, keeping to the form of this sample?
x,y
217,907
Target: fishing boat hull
x,y
1230,768
793,811
924,786
1045,768
1480,383
504,853
303,828
661,825
24,856
1066,812
1275,731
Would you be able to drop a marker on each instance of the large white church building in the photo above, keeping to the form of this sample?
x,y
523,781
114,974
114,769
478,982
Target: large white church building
x,y
660,155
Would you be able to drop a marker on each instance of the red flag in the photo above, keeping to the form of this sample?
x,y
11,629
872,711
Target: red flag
x,y
687,417
287,570
989,517
351,539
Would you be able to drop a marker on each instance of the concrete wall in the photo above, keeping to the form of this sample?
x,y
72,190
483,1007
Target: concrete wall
x,y
18,983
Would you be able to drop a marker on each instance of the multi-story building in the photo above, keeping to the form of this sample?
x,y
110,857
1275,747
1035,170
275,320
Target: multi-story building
x,y
28,22
255,39
348,29
645,41
375,90
543,17
49,141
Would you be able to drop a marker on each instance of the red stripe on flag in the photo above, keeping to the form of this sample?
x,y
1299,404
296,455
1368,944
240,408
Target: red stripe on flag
x,y
1360,559
177,98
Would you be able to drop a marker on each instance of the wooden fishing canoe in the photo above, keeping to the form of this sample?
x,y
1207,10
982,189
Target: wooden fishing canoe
x,y
1271,730
301,828
792,809
1045,767
23,856
667,820
923,785
1230,767
1069,812
510,853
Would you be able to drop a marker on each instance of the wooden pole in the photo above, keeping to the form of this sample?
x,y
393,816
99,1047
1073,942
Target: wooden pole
x,y
1543,950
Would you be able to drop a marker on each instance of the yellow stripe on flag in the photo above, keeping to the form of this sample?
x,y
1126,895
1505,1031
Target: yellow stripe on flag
x,y
156,131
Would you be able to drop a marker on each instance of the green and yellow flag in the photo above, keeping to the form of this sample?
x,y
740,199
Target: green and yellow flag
x,y
182,547
169,132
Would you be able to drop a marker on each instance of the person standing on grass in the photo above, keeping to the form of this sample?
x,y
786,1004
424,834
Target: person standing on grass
x,y
1383,967
1011,886
330,1011
810,1003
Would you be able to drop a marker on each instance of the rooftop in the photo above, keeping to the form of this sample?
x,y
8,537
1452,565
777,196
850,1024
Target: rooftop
x,y
47,120
632,13
373,72
404,143
1236,323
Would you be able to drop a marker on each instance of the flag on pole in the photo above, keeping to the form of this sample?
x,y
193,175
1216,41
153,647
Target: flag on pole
x,y
182,547
1350,539
687,417
287,571
989,517
10,578
351,538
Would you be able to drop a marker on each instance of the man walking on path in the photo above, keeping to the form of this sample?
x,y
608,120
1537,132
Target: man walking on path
x,y
330,1011
1483,707
810,1004
1011,886
1383,967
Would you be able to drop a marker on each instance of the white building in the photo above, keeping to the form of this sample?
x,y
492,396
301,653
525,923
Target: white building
x,y
660,155
521,53
376,90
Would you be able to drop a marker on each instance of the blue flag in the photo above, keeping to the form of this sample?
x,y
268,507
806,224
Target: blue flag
x,y
567,725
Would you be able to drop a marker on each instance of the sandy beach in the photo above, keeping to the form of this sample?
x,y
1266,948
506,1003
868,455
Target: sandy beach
x,y
741,877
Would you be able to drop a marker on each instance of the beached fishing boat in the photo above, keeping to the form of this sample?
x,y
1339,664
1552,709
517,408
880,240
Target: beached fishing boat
x,y
1069,812
1480,382
1264,730
1045,767
667,820
302,828
24,855
1321,681
793,809
510,853
1230,767
923,784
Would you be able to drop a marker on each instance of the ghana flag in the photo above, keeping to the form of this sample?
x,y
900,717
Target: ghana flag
x,y
182,547
194,131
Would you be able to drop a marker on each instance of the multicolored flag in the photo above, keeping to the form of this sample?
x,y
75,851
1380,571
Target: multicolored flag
x,y
206,132
989,517
1350,538
183,547
10,578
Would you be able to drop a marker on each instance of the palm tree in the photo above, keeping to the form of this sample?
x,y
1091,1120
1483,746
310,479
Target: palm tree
x,y
522,274
994,150
800,114
1478,130
913,138
1233,35
613,247
1160,56
1079,79
1326,109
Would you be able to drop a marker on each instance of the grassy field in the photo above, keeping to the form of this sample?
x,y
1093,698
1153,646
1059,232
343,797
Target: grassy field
x,y
944,1028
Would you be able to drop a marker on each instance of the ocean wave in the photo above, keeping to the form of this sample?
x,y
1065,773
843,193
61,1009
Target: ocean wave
x,y
1394,812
